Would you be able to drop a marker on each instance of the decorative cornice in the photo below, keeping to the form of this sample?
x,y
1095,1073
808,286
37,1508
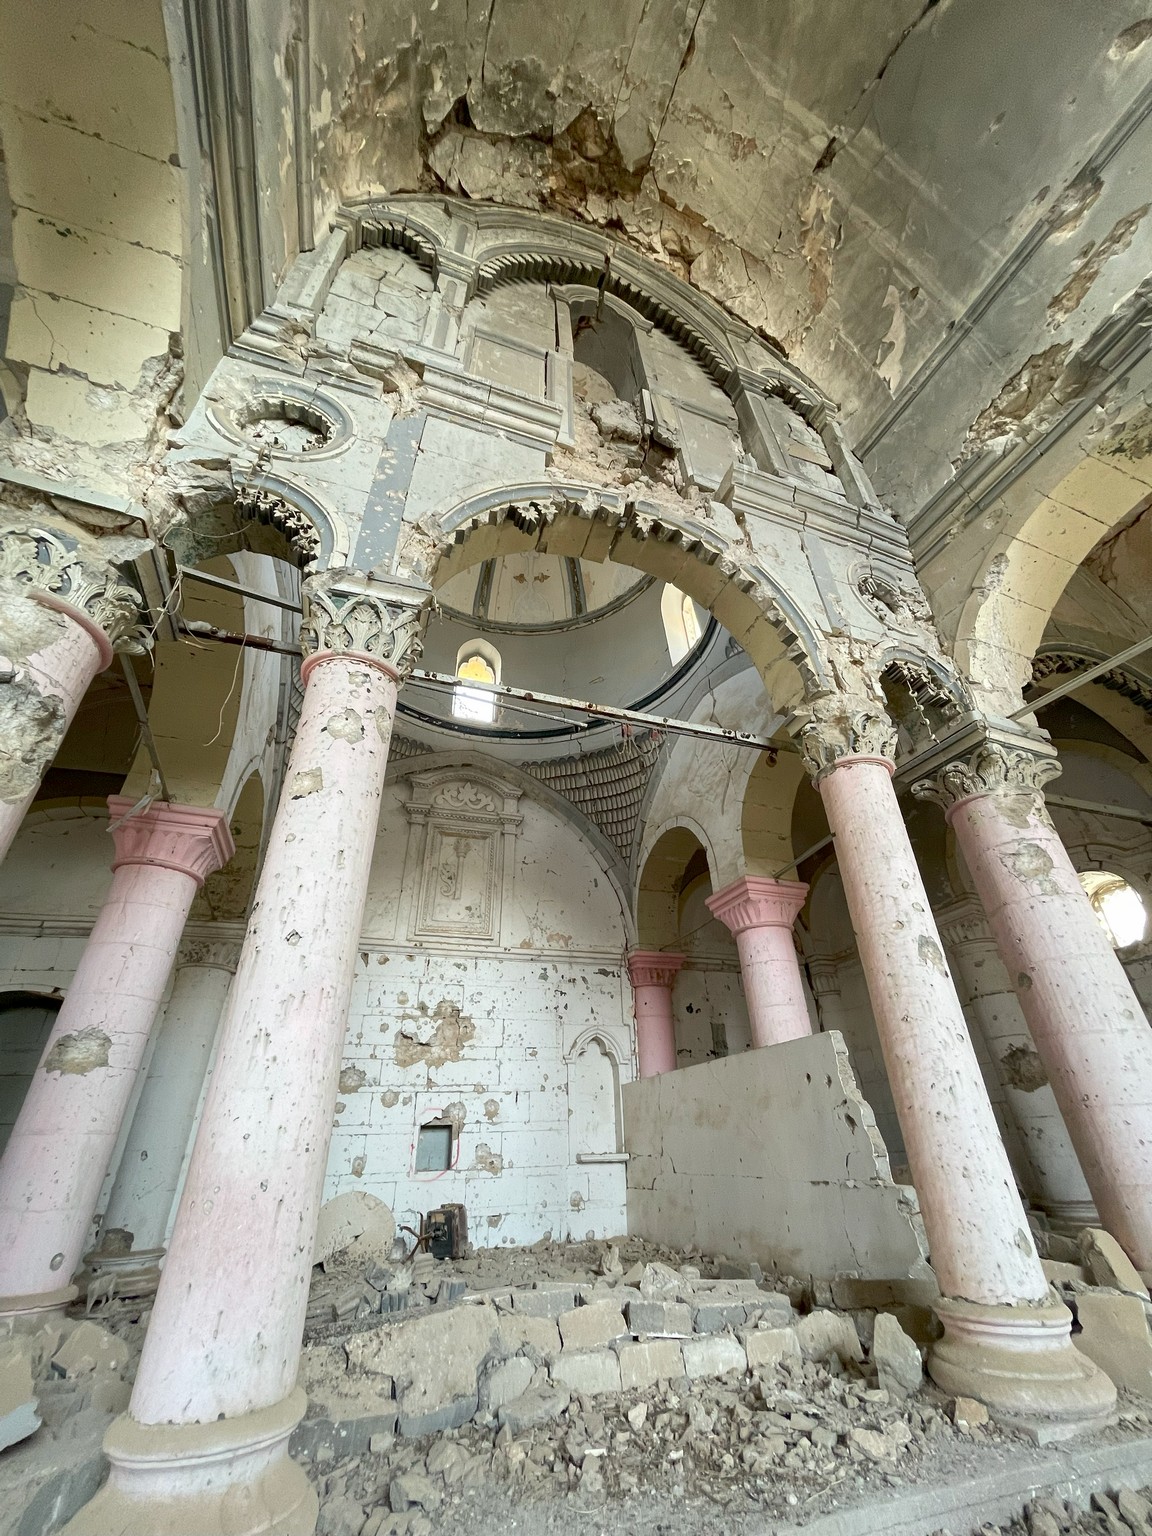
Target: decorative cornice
x,y
193,840
58,572
843,726
754,901
1126,681
383,622
653,968
991,768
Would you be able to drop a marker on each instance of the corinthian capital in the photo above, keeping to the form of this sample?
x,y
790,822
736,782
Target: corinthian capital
x,y
844,726
990,767
380,621
65,574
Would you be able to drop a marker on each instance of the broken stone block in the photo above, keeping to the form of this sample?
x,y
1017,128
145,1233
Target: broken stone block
x,y
517,1329
821,1334
434,1360
19,1412
660,1283
413,1490
1060,1274
775,1310
539,1405
593,1326
968,1413
643,1365
766,1347
713,1355
340,1516
1108,1264
1136,1510
896,1358
662,1317
880,1445
508,1381
715,1316
545,1303
89,1348
349,1216
589,1372
449,1460
1114,1333
618,422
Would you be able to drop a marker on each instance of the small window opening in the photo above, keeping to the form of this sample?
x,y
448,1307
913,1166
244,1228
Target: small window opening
x,y
1119,909
681,623
434,1147
478,668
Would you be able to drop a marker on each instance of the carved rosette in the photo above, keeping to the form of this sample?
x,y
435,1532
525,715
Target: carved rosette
x,y
845,728
385,624
994,767
54,569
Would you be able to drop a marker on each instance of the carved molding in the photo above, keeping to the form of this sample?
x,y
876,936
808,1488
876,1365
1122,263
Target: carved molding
x,y
754,901
384,623
262,505
456,866
844,727
56,569
992,767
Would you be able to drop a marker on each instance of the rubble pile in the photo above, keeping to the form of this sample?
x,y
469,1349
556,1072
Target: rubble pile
x,y
1123,1513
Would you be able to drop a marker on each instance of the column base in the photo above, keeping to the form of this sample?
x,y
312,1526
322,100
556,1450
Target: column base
x,y
1020,1362
1070,1217
230,1478
20,1311
131,1275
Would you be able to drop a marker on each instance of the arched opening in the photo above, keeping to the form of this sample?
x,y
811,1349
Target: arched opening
x,y
594,1101
1118,906
478,668
682,626
710,1014
26,1020
604,350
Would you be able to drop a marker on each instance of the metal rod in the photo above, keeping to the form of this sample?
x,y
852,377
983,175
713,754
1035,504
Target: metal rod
x,y
807,854
615,712
519,709
142,717
1081,678
198,630
1101,810
234,586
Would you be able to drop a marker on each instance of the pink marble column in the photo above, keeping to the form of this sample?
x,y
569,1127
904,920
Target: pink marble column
x,y
1006,1340
65,609
1085,1020
215,1400
652,974
761,912
58,1153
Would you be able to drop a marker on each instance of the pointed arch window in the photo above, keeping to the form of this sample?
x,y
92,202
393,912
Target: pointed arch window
x,y
477,670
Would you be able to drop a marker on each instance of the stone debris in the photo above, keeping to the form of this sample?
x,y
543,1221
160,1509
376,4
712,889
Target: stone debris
x,y
19,1412
1107,1263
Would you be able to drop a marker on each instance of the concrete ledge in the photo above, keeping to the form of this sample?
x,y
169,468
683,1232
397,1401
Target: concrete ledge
x,y
962,1505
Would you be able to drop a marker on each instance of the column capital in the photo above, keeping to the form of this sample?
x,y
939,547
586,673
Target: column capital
x,y
963,924
62,573
380,622
985,761
653,968
194,840
824,975
754,901
843,726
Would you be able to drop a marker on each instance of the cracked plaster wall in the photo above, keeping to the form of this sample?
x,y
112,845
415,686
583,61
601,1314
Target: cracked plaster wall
x,y
88,128
482,1032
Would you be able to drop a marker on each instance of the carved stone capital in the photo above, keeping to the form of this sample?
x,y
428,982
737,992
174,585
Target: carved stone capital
x,y
964,925
754,901
194,840
991,767
824,975
841,727
653,968
63,574
382,622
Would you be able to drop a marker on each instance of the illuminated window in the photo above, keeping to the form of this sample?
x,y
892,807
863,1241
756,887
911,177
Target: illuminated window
x,y
1118,907
478,668
681,622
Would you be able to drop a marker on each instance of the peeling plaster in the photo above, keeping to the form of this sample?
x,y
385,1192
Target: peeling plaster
x,y
80,1053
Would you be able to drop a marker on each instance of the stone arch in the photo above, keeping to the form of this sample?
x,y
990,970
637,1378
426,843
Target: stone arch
x,y
1019,579
593,523
595,1040
663,874
766,814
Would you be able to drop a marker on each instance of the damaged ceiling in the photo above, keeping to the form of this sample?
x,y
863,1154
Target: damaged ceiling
x,y
850,177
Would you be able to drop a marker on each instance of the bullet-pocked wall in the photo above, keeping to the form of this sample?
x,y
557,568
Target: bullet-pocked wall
x,y
490,1025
